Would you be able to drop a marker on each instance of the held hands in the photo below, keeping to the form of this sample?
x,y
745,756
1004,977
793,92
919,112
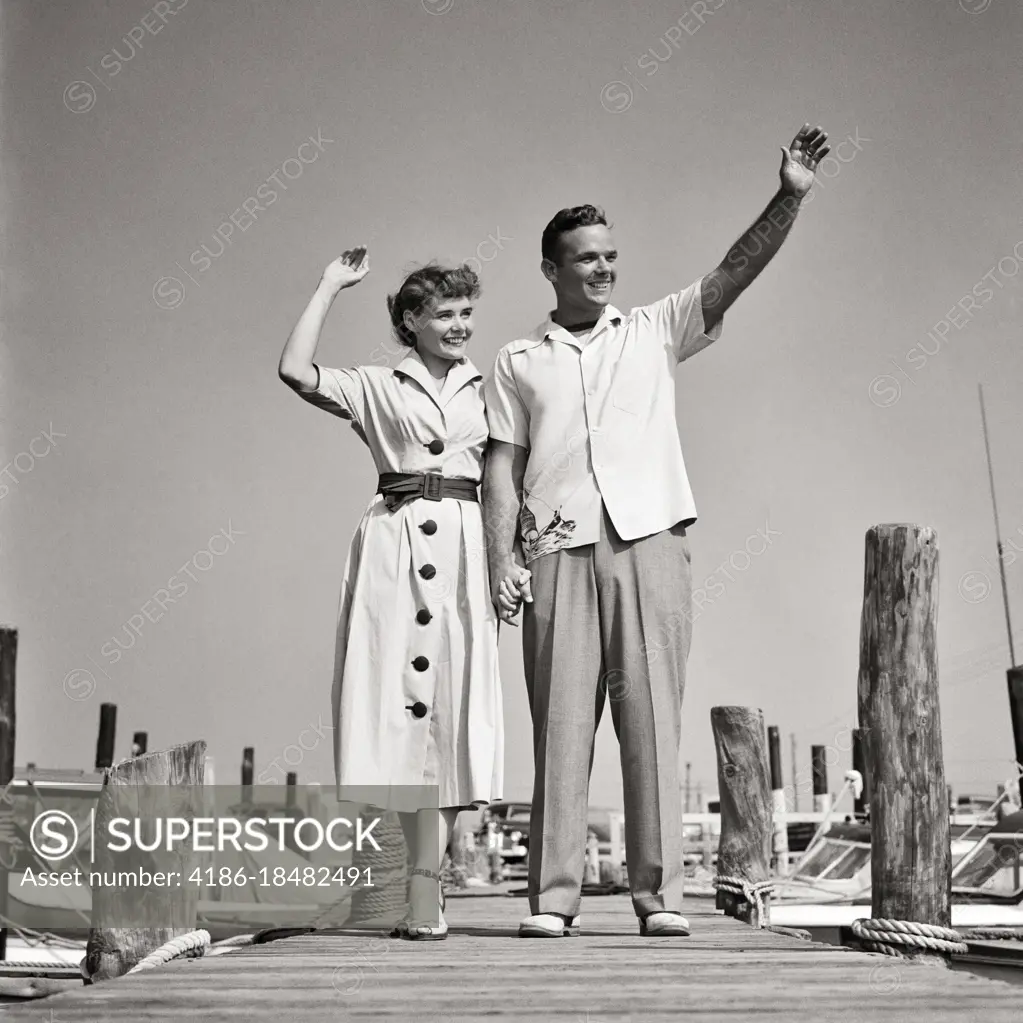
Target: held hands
x,y
347,270
799,161
513,587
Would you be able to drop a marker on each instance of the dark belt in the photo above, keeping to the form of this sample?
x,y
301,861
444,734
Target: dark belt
x,y
402,487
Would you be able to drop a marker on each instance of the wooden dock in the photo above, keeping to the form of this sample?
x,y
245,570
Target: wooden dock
x,y
726,970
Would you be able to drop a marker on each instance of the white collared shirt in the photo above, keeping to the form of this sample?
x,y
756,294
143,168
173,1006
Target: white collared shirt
x,y
597,416
399,414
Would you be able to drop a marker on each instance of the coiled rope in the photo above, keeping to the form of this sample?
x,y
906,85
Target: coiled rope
x,y
752,891
897,937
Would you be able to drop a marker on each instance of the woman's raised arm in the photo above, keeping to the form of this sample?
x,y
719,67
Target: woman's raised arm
x,y
296,367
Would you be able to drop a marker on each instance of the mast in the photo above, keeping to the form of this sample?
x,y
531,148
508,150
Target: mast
x,y
1014,676
998,531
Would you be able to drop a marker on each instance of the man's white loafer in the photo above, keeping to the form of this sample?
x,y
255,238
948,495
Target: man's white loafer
x,y
548,925
667,925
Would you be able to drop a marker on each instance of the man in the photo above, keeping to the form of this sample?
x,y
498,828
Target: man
x,y
585,459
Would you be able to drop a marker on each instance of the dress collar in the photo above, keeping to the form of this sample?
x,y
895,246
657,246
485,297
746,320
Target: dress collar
x,y
461,373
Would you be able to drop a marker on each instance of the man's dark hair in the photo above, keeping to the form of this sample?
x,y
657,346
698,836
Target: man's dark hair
x,y
568,220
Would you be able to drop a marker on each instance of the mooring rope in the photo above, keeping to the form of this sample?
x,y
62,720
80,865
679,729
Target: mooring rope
x,y
235,941
752,891
169,950
36,964
994,934
891,937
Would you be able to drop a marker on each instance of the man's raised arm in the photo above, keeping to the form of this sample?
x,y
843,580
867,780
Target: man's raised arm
x,y
758,246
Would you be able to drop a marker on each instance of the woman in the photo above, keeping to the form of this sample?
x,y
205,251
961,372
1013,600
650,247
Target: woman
x,y
416,693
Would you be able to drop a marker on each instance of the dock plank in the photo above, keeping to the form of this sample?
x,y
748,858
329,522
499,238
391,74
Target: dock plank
x,y
608,975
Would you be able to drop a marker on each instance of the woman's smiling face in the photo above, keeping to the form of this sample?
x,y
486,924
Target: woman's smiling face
x,y
442,328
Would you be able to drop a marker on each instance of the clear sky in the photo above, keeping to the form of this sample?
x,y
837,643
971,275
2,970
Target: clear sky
x,y
454,129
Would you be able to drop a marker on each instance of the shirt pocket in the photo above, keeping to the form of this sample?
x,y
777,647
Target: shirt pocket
x,y
627,391
632,379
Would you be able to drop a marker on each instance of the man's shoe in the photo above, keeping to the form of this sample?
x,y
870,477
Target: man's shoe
x,y
548,925
664,925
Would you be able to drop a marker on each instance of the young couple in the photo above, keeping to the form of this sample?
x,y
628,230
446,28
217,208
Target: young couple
x,y
583,516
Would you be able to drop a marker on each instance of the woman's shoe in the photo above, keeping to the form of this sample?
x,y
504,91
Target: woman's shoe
x,y
414,930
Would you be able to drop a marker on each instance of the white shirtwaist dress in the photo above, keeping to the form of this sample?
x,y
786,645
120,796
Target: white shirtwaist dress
x,y
416,694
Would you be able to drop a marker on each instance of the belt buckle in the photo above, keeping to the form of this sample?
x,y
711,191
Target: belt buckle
x,y
433,483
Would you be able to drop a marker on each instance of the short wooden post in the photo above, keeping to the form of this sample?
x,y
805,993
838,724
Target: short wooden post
x,y
706,837
314,801
460,868
861,803
292,813
795,776
819,766
899,711
495,864
592,871
780,835
1014,677
744,851
8,660
617,829
107,735
139,742
130,922
248,762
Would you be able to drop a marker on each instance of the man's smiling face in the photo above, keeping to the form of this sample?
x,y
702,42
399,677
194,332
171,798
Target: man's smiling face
x,y
585,271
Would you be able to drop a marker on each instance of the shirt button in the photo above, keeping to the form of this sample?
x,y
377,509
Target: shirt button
x,y
428,571
423,617
429,527
435,447
421,663
419,709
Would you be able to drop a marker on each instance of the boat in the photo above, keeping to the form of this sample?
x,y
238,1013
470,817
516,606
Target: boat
x,y
987,884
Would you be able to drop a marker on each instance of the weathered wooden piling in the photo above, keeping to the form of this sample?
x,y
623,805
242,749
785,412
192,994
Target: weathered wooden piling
x,y
129,922
780,834
901,727
8,690
819,767
107,735
139,744
744,850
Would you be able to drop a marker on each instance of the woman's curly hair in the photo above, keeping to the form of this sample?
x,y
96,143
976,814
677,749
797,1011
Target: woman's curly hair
x,y
429,284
